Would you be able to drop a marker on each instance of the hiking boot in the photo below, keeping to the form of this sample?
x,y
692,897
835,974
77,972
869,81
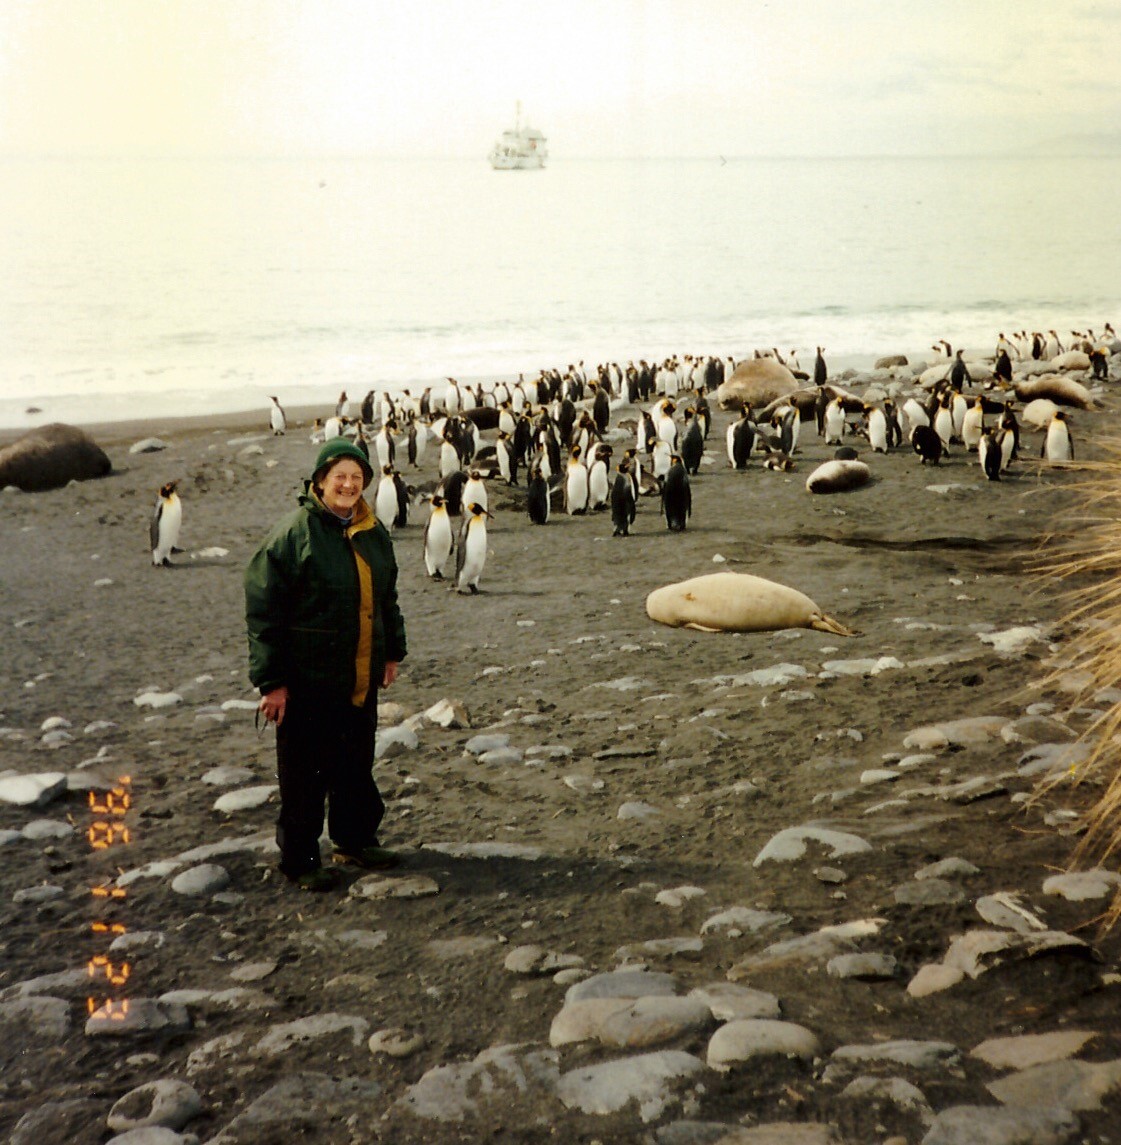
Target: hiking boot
x,y
371,858
319,880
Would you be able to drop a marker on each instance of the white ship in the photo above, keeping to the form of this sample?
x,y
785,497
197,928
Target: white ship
x,y
519,149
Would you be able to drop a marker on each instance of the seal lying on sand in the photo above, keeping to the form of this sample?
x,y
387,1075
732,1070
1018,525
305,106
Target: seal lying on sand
x,y
737,602
756,381
51,457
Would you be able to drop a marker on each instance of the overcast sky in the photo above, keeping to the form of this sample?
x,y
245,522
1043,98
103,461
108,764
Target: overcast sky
x,y
599,77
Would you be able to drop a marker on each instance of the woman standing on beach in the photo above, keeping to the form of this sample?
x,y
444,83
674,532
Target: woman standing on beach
x,y
325,632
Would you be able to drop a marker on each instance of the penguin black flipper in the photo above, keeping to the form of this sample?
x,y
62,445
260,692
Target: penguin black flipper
x,y
154,527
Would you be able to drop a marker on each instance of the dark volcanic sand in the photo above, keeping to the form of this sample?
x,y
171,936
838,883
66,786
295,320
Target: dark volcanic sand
x,y
918,573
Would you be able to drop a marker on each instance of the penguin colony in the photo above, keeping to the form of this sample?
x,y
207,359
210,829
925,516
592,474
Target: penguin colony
x,y
549,441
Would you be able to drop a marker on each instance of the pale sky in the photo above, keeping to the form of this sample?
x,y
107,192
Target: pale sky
x,y
598,77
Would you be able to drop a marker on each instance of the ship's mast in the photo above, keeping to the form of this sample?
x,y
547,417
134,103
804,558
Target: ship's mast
x,y
518,117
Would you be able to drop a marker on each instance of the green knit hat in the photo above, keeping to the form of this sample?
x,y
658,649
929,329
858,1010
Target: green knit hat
x,y
336,449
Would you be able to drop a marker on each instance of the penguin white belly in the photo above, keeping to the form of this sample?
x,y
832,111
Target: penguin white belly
x,y
168,520
1058,445
332,428
972,427
729,444
834,424
385,502
576,489
276,419
597,486
475,492
662,457
437,542
449,459
877,431
474,555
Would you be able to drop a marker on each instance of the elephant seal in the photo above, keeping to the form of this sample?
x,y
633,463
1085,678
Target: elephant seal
x,y
756,381
1062,391
837,476
50,457
737,602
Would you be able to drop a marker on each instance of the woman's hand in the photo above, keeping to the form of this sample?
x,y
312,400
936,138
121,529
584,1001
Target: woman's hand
x,y
273,704
390,673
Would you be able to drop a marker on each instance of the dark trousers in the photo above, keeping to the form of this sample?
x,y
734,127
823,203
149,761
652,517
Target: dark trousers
x,y
326,752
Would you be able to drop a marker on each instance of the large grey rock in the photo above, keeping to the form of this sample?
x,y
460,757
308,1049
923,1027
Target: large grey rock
x,y
652,1081
495,1078
403,887
32,790
1076,1085
745,920
728,1001
302,1030
864,967
79,1121
629,1023
1029,1050
140,1016
978,951
47,1018
1078,886
308,1105
622,984
989,1125
916,1054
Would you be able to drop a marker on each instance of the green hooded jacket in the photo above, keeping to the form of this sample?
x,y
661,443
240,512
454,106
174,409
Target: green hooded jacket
x,y
321,604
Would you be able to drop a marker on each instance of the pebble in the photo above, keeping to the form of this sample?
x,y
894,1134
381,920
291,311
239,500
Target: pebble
x,y
637,810
226,776
1029,1050
396,1042
157,699
204,879
167,1102
627,1023
790,844
676,897
745,1038
142,1016
974,1124
32,790
652,1081
1073,1085
496,1076
1083,885
729,1002
492,741
865,967
406,887
743,919
280,1039
245,798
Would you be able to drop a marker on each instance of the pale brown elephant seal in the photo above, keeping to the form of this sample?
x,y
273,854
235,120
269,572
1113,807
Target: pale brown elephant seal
x,y
50,457
756,381
737,602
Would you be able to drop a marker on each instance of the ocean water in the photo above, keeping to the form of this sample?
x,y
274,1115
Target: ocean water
x,y
163,287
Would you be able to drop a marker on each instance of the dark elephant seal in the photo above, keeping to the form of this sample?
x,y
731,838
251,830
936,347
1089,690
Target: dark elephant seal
x,y
50,457
757,381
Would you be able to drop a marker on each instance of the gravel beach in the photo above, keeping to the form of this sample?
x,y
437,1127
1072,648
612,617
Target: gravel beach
x,y
658,885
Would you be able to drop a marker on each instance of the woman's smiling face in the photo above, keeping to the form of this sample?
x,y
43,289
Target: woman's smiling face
x,y
342,486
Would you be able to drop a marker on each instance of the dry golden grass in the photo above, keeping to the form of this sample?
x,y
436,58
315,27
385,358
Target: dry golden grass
x,y
1088,562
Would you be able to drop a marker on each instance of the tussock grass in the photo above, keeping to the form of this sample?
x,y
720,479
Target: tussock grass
x,y
1086,563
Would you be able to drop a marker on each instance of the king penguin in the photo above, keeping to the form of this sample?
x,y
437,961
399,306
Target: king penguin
x,y
1058,445
475,491
277,421
385,499
163,532
677,497
537,497
835,421
622,502
692,443
471,556
989,455
576,485
438,538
